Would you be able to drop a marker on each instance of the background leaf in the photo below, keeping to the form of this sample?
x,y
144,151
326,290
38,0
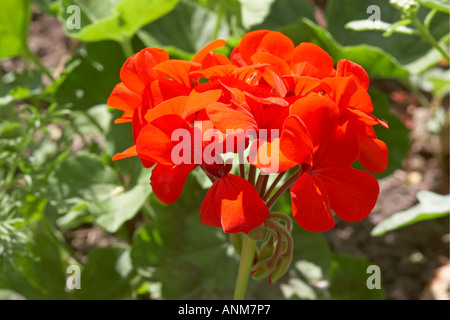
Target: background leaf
x,y
190,26
348,275
14,21
404,48
396,137
375,61
91,75
430,206
113,19
106,275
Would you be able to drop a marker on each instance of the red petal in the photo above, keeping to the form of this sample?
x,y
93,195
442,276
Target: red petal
x,y
146,60
266,156
279,154
213,45
231,117
352,193
200,100
295,142
277,44
270,59
304,85
347,68
340,149
310,60
214,72
168,181
209,211
154,142
347,94
124,99
374,154
137,71
310,204
319,114
237,203
276,81
175,106
247,47
130,77
178,70
130,152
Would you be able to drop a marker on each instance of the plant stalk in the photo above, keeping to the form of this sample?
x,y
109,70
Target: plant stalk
x,y
247,255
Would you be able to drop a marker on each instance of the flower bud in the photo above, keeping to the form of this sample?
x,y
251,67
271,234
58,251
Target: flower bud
x,y
261,270
280,269
266,250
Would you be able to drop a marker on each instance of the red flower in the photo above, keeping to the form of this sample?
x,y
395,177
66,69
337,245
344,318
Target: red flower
x,y
330,183
233,204
299,109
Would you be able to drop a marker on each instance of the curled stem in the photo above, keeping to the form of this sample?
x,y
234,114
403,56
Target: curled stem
x,y
281,216
272,225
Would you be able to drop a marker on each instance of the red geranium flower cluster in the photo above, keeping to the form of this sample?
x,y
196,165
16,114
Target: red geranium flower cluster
x,y
286,105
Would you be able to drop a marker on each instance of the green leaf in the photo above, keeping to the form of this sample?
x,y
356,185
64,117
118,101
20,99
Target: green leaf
x,y
83,176
84,180
364,25
349,275
40,270
286,12
254,11
110,214
10,295
436,4
406,49
48,6
91,75
430,206
396,137
435,81
14,21
184,31
113,19
374,60
106,275
189,259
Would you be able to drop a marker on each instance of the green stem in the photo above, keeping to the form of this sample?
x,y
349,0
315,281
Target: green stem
x,y
242,170
273,185
428,37
289,182
247,255
251,174
38,63
127,47
220,12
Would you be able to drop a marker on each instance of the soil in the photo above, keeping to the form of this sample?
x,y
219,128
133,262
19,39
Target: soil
x,y
414,260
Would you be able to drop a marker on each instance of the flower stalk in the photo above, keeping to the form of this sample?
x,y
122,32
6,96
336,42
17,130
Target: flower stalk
x,y
247,254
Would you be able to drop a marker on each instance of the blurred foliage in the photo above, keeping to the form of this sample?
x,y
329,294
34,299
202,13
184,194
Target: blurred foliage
x,y
57,139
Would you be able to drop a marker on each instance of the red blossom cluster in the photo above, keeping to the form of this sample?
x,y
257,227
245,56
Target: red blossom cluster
x,y
321,116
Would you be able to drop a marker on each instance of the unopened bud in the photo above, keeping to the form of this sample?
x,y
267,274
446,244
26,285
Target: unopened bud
x,y
280,269
261,270
266,250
